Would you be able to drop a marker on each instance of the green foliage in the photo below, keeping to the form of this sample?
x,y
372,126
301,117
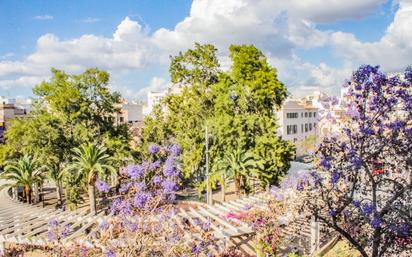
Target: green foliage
x,y
238,106
90,162
69,110
309,144
23,172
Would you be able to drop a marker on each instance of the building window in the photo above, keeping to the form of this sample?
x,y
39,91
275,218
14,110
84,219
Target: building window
x,y
314,125
306,114
310,126
295,140
121,119
310,114
301,114
306,127
301,128
291,129
292,115
314,114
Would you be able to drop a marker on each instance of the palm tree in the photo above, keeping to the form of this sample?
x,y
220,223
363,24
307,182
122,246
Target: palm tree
x,y
89,162
55,174
238,165
24,172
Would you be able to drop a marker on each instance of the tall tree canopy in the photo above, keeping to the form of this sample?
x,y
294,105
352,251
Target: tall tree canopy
x,y
238,107
69,110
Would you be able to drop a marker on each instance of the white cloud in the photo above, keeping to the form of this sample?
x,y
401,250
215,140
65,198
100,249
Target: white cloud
x,y
327,11
277,27
393,51
157,84
128,49
23,81
6,56
90,20
43,17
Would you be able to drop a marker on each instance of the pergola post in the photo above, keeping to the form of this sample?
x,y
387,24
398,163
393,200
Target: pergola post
x,y
314,235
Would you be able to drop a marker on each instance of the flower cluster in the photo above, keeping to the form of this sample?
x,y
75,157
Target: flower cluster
x,y
144,220
363,181
57,231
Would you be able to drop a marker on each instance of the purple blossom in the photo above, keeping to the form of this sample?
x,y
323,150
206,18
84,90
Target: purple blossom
x,y
317,179
51,235
335,177
356,203
352,112
153,148
247,207
332,213
157,179
286,183
66,231
140,200
300,186
325,162
110,253
174,150
367,131
408,74
367,209
403,229
125,207
169,186
396,125
125,187
169,169
376,222
140,186
347,213
206,226
102,186
135,171
154,165
103,225
53,222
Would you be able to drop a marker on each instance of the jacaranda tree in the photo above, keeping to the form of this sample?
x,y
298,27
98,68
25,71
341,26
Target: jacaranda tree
x,y
363,185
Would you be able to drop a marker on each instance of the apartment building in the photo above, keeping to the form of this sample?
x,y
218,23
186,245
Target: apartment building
x,y
10,109
155,98
129,113
298,120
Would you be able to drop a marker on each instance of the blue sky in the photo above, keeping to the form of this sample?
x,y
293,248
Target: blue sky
x,y
314,44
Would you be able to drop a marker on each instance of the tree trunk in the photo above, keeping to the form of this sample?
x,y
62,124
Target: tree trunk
x,y
27,192
36,193
15,193
223,189
237,184
59,192
92,199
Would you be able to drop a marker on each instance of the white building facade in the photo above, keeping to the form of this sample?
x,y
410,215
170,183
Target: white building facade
x,y
129,113
298,120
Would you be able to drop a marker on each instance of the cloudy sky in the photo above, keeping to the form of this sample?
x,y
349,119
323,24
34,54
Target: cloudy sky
x,y
314,44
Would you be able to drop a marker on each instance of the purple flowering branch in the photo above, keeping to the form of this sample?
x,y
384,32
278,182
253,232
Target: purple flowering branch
x,y
367,167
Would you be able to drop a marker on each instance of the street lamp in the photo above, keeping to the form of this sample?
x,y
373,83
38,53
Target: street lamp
x,y
208,193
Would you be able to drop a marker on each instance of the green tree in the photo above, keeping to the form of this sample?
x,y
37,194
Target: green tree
x,y
238,106
69,110
55,174
24,172
239,165
90,162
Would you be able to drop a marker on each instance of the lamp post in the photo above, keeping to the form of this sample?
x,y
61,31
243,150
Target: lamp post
x,y
208,193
